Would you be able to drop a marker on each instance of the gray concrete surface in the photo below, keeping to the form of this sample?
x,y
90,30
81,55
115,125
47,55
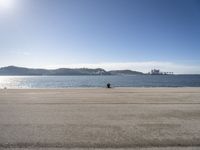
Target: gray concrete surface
x,y
122,118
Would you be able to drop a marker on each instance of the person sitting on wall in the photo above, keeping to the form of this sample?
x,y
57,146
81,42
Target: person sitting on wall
x,y
108,85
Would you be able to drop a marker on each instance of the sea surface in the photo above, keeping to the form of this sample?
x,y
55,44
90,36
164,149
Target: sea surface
x,y
99,81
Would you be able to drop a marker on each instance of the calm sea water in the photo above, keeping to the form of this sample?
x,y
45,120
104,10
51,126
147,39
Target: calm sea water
x,y
99,81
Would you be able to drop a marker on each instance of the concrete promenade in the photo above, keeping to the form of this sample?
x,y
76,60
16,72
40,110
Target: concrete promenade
x,y
122,118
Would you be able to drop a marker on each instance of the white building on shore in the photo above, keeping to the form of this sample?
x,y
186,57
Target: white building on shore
x,y
158,72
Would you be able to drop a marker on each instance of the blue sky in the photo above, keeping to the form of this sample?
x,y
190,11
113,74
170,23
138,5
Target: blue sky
x,y
114,34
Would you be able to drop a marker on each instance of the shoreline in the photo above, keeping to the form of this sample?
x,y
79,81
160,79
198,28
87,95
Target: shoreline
x,y
65,88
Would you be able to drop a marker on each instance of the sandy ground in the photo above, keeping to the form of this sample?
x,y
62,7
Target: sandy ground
x,y
122,118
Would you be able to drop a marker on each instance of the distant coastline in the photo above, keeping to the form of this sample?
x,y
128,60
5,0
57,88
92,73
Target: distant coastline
x,y
22,71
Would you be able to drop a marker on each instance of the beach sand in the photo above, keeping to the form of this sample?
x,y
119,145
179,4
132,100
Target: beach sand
x,y
98,118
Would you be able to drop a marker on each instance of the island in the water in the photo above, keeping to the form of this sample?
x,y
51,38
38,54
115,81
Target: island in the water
x,y
21,71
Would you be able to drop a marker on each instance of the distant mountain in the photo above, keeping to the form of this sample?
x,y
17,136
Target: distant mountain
x,y
125,72
13,70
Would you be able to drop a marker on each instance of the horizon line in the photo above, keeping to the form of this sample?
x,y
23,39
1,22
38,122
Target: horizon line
x,y
98,67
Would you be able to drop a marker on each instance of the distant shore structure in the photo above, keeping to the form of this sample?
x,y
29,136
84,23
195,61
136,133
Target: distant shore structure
x,y
158,72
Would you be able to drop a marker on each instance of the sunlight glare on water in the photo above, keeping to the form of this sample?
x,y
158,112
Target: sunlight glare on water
x,y
13,82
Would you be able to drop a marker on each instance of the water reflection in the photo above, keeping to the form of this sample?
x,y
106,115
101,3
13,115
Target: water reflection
x,y
99,81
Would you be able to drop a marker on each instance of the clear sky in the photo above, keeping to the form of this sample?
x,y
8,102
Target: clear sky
x,y
113,34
